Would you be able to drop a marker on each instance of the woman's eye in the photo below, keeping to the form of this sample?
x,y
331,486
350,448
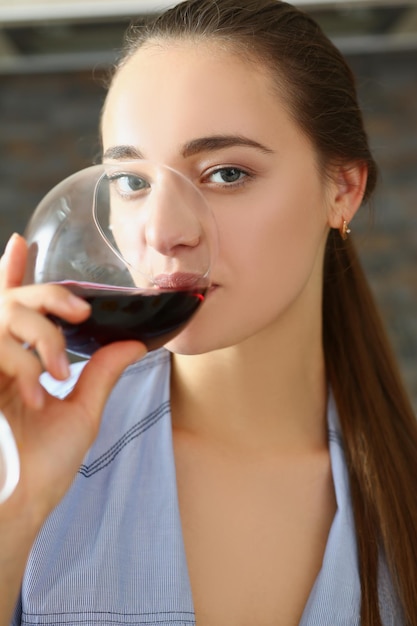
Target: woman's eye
x,y
128,184
227,176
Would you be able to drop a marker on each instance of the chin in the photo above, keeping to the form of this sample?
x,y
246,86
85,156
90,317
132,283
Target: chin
x,y
196,337
193,340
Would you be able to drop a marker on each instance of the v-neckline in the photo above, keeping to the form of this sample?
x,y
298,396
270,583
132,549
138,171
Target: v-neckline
x,y
324,588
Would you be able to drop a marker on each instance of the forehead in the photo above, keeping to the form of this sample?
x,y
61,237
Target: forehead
x,y
171,92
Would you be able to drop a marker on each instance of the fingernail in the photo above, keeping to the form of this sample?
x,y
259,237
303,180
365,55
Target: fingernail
x,y
10,243
79,303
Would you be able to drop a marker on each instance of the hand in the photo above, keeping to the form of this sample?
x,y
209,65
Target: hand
x,y
52,435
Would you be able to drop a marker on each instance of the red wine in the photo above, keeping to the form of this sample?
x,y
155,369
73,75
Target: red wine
x,y
118,313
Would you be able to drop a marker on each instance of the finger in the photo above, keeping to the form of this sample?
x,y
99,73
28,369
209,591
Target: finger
x,y
48,298
101,374
25,326
13,262
21,325
20,369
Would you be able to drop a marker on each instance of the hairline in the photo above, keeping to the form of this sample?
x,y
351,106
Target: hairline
x,y
281,86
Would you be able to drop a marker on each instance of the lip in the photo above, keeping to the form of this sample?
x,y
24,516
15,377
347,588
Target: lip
x,y
212,289
177,280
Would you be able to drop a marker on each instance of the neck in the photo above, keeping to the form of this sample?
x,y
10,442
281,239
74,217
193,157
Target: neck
x,y
268,392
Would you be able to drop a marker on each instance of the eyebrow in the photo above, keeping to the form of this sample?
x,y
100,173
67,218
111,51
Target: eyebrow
x,y
220,142
122,153
191,148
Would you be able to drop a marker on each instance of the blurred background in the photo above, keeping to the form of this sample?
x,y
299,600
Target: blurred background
x,y
54,59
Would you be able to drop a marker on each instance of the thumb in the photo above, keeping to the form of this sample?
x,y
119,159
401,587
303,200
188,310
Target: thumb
x,y
101,374
13,262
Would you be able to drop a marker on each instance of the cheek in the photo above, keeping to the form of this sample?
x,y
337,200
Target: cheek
x,y
273,235
263,272
126,238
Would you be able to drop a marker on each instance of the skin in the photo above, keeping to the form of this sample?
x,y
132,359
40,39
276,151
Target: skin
x,y
248,380
258,337
52,435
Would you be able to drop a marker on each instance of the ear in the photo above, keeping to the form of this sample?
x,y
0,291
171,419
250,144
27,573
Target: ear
x,y
346,193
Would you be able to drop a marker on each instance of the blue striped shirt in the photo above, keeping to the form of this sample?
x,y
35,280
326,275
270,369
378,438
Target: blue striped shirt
x,y
112,552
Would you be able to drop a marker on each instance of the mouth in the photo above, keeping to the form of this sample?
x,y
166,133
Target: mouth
x,y
177,280
213,287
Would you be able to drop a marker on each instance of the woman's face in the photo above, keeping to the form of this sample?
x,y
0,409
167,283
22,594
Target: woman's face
x,y
218,119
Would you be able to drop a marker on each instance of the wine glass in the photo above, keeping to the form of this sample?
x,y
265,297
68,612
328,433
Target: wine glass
x,y
136,239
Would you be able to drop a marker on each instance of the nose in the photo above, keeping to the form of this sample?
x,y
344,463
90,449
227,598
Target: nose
x,y
172,218
160,221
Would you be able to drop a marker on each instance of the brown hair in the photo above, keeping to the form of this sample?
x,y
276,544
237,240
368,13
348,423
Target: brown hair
x,y
377,420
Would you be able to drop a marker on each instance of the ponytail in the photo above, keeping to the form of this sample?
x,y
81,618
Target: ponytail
x,y
377,420
379,431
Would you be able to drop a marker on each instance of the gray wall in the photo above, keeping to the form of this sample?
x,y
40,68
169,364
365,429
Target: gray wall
x,y
48,129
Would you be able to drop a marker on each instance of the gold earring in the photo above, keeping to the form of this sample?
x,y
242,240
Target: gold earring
x,y
344,230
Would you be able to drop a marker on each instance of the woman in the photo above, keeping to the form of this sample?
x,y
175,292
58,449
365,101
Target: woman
x,y
261,470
